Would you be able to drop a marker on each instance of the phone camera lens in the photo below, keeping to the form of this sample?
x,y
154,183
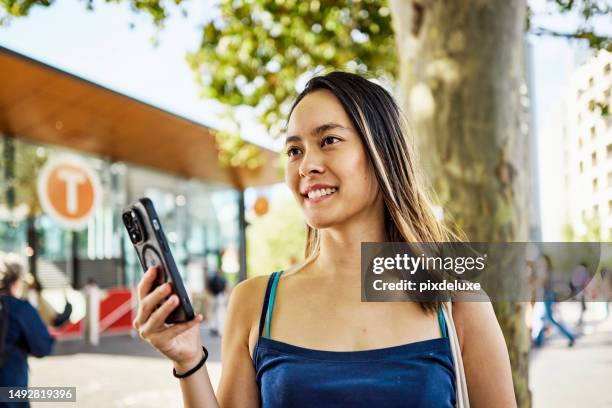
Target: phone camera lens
x,y
131,223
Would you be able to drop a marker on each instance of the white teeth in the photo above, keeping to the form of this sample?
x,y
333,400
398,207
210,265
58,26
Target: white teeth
x,y
321,192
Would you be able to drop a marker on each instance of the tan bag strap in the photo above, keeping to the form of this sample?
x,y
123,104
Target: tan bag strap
x,y
460,380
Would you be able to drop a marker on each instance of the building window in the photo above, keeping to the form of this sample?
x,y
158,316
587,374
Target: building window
x,y
609,151
594,185
610,179
593,132
594,159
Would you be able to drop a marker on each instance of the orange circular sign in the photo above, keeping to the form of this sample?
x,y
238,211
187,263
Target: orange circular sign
x,y
261,206
68,190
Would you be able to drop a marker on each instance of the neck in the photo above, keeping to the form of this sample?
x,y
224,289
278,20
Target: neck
x,y
340,251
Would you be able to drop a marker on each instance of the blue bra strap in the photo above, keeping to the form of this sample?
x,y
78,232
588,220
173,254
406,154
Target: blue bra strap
x,y
441,320
271,302
262,317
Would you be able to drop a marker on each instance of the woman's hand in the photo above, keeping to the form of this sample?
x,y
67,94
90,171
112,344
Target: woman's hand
x,y
179,342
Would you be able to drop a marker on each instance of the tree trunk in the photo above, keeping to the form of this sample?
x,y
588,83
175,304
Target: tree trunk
x,y
461,80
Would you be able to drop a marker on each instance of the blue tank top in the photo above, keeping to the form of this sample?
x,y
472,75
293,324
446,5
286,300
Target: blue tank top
x,y
419,374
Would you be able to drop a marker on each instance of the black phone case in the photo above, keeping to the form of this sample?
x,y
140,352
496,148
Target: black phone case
x,y
153,250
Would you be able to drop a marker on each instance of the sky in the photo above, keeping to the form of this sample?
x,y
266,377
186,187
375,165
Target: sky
x,y
101,47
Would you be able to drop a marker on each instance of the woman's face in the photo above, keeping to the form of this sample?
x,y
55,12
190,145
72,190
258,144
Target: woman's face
x,y
328,170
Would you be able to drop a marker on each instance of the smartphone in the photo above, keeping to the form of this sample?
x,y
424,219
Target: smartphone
x,y
147,236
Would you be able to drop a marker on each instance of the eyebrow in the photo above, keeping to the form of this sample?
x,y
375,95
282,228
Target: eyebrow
x,y
317,131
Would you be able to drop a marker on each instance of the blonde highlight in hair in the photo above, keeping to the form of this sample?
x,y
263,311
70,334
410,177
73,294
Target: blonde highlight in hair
x,y
409,214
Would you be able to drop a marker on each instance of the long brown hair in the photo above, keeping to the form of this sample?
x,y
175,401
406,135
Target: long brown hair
x,y
409,214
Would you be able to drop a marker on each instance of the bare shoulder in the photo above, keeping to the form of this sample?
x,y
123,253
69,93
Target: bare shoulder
x,y
473,319
249,294
246,301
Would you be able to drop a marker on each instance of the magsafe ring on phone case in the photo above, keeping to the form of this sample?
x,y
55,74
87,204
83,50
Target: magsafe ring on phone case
x,y
152,258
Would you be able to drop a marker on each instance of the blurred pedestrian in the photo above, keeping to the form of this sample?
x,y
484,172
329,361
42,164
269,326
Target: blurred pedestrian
x,y
549,302
22,331
217,285
579,281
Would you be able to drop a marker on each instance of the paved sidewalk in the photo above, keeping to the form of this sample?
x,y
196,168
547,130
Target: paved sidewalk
x,y
580,376
121,372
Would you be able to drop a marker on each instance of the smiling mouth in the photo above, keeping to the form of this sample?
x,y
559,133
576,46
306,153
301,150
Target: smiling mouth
x,y
319,195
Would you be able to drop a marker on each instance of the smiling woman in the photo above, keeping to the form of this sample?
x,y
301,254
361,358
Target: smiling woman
x,y
302,337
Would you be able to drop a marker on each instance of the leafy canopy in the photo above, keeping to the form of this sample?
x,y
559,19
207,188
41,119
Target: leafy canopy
x,y
257,52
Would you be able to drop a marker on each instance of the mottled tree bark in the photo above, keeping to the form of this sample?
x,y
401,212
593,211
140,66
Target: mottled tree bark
x,y
461,78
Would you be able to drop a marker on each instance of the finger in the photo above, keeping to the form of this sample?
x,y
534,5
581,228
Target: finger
x,y
161,339
144,286
153,299
174,330
159,316
179,328
148,304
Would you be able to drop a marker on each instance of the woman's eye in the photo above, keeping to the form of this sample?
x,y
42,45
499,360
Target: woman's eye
x,y
292,151
327,138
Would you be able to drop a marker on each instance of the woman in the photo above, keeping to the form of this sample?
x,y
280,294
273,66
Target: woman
x,y
22,331
354,177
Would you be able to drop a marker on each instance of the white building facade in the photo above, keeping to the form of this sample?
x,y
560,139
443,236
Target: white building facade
x,y
587,149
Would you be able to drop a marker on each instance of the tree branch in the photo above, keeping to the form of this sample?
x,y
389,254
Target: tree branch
x,y
595,41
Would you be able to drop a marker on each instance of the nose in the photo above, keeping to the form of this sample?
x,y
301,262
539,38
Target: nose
x,y
312,163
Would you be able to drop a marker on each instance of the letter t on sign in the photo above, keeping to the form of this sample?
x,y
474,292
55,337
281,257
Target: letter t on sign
x,y
72,180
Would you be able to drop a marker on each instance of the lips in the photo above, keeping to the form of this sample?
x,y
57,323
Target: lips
x,y
315,187
316,196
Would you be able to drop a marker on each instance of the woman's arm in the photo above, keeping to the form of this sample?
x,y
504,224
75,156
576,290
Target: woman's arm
x,y
485,355
197,389
38,340
238,387
182,342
